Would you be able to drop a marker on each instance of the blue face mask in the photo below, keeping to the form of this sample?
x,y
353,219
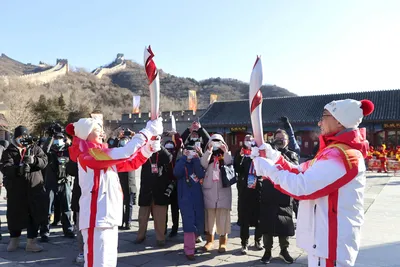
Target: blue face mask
x,y
123,142
58,142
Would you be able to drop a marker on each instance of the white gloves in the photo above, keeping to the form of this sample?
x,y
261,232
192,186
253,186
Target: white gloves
x,y
255,152
153,128
263,167
271,153
151,147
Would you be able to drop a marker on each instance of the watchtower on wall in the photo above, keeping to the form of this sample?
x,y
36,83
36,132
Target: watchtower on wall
x,y
63,62
120,58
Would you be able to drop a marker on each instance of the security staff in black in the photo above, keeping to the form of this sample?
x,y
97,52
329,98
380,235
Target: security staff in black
x,y
58,184
128,184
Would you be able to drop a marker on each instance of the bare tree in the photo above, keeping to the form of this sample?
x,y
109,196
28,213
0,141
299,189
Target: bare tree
x,y
19,111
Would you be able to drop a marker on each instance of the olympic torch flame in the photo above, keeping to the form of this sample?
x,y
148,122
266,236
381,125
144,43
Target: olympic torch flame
x,y
255,101
154,83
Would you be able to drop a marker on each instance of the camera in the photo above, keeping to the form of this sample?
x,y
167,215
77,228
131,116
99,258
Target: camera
x,y
54,129
169,190
28,141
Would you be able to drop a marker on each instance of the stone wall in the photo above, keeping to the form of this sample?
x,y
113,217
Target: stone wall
x,y
60,69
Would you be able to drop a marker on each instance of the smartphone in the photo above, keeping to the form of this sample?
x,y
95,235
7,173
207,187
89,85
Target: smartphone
x,y
197,144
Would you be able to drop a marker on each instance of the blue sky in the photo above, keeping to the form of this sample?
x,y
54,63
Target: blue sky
x,y
308,47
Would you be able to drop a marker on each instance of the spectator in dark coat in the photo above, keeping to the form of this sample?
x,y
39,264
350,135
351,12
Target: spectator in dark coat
x,y
27,200
154,182
72,170
292,146
173,146
249,192
3,146
128,184
276,208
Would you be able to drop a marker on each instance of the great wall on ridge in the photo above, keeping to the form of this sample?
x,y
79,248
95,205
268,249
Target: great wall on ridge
x,y
44,73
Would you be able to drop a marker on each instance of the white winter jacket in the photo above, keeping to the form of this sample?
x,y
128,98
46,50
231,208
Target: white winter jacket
x,y
331,190
102,198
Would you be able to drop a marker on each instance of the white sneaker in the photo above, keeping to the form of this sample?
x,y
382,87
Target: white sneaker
x,y
80,258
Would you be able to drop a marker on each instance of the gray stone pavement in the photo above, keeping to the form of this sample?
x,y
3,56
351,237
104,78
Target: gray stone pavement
x,y
380,242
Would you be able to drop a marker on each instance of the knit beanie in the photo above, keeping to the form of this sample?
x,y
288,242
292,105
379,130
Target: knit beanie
x,y
350,112
83,127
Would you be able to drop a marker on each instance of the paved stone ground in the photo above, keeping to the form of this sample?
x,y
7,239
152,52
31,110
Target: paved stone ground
x,y
61,251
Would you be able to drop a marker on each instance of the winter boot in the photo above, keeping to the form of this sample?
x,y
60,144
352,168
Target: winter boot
x,y
223,240
266,258
32,246
13,244
210,242
285,256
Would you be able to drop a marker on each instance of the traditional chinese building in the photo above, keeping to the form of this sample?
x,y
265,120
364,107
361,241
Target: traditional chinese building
x,y
136,122
232,118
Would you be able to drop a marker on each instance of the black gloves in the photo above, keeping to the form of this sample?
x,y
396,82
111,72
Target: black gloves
x,y
285,120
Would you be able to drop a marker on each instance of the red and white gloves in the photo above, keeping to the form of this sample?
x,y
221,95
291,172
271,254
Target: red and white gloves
x,y
271,153
264,166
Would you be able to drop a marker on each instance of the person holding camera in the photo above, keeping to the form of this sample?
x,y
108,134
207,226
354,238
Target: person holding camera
x,y
58,185
27,201
190,175
217,199
249,191
174,147
196,136
128,184
154,183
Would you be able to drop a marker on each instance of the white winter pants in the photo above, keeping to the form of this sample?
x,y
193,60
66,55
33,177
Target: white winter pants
x,y
314,261
101,246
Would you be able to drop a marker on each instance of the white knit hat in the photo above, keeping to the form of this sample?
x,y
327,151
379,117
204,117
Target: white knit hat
x,y
350,112
85,126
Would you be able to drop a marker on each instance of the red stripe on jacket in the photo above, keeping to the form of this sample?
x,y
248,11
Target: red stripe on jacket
x,y
92,218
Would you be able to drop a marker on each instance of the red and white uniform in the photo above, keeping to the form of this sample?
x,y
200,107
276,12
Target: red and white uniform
x,y
102,197
331,190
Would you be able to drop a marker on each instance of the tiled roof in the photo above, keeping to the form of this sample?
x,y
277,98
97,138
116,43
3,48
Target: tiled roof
x,y
301,109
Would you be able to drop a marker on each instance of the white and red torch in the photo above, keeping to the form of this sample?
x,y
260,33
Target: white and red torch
x,y
255,101
154,82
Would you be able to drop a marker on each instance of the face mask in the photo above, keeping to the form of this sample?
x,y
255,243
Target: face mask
x,y
18,141
169,146
194,139
58,142
111,142
248,144
123,142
